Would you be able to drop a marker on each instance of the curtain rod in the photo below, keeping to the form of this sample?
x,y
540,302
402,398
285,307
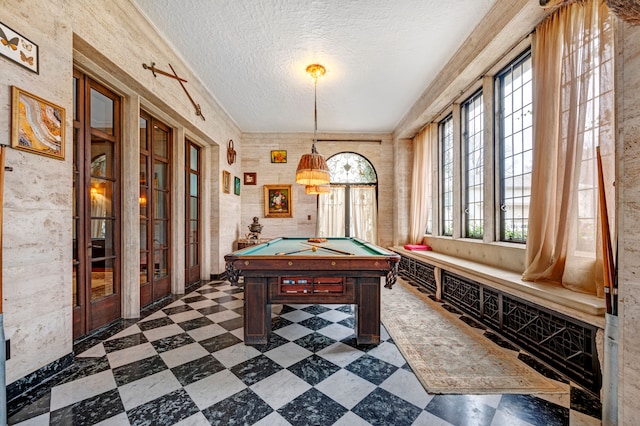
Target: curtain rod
x,y
351,140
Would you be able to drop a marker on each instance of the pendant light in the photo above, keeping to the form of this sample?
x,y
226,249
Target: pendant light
x,y
312,169
316,189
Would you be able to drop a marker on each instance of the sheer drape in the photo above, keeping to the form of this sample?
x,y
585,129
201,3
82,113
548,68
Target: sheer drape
x,y
363,220
331,218
420,206
573,113
364,213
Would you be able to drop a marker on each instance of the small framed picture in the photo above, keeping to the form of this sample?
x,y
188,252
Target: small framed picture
x,y
279,156
278,201
250,178
36,125
236,185
19,49
226,182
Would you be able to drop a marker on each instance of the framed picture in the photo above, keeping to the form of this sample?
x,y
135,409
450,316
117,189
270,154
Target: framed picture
x,y
19,49
236,185
36,125
226,182
250,178
278,201
279,156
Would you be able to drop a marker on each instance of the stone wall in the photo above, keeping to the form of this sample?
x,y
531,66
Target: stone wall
x,y
628,185
108,40
256,149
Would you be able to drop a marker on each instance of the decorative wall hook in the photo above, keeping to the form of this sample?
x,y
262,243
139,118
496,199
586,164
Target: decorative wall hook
x,y
231,153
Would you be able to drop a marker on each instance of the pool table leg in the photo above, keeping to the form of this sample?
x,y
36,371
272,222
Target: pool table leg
x,y
367,314
257,312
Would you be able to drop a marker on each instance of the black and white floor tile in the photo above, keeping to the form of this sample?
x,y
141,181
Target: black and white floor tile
x,y
186,364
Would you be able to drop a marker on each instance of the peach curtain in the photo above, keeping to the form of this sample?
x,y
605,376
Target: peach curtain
x,y
421,188
573,113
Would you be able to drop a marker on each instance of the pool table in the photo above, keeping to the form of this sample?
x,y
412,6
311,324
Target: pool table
x,y
291,270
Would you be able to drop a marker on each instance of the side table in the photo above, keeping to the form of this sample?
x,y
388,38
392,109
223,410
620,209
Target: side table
x,y
246,242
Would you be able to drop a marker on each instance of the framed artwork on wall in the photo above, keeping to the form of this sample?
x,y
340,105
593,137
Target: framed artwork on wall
x,y
19,49
279,156
250,178
236,185
226,182
37,126
278,201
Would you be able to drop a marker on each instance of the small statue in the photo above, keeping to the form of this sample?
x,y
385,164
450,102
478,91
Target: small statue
x,y
255,229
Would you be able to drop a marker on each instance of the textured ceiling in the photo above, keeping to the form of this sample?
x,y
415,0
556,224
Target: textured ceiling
x,y
379,56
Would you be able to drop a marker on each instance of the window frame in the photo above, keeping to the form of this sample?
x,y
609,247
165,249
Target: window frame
x,y
476,99
500,137
442,138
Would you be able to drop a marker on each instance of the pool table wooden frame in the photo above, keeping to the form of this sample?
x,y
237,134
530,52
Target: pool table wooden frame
x,y
333,278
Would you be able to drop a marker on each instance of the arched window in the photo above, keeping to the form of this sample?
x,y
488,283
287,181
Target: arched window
x,y
350,209
349,167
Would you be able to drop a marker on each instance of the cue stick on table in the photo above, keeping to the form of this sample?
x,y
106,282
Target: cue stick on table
x,y
330,249
282,253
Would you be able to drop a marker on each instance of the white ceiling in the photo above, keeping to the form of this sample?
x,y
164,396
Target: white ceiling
x,y
380,55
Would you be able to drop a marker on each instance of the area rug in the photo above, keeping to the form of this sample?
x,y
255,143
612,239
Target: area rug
x,y
450,357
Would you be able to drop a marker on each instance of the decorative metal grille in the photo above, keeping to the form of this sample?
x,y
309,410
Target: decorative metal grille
x,y
491,307
418,272
462,293
564,343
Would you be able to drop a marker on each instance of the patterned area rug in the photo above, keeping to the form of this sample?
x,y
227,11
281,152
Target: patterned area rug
x,y
449,356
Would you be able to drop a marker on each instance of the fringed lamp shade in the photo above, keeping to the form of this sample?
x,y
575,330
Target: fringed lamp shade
x,y
317,189
312,170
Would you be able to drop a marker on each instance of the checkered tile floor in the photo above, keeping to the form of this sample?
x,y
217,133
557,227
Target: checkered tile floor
x,y
186,364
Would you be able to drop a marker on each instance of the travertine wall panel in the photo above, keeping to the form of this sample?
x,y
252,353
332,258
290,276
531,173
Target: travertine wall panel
x,y
403,153
109,41
628,184
256,157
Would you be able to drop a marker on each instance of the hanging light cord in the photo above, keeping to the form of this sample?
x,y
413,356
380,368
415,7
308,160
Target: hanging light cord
x,y
315,116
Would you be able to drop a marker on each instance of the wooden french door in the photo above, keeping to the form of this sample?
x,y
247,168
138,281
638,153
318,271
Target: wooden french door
x,y
192,210
96,205
155,209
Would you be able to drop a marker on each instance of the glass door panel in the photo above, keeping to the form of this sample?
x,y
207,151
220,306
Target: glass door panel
x,y
155,209
96,283
192,216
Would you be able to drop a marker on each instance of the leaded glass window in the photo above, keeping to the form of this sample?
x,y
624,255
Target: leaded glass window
x,y
349,167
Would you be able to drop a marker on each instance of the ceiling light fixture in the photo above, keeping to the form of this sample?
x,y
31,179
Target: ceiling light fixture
x,y
312,169
317,189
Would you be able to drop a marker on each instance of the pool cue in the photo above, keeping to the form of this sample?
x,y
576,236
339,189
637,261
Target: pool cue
x,y
282,253
330,249
607,252
3,342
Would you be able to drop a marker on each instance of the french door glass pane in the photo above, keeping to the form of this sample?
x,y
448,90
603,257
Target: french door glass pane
x,y
143,136
193,208
160,203
160,142
193,184
193,158
160,175
101,279
101,112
